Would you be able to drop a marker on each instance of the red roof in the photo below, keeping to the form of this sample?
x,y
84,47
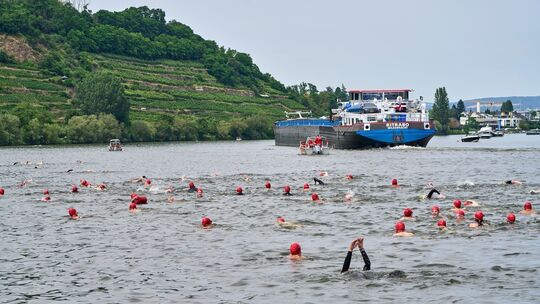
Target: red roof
x,y
380,91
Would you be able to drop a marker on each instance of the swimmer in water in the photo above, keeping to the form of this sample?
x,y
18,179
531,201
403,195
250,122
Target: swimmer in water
x,y
147,183
239,191
400,230
170,199
527,209
85,183
281,222
192,187
349,196
434,193
478,220
348,177
74,189
267,185
460,215
2,191
435,211
534,191
169,189
471,203
295,252
510,218
133,208
441,224
199,192
206,223
306,187
323,173
70,170
513,182
457,205
101,187
359,242
318,181
395,183
72,212
407,215
315,198
287,190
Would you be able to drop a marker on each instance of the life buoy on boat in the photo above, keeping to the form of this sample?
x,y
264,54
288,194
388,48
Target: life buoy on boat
x,y
367,127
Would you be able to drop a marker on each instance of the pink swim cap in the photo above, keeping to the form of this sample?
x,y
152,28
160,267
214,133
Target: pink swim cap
x,y
306,186
134,195
280,219
206,221
74,189
457,204
407,212
287,189
441,223
314,197
72,212
478,215
394,182
511,218
2,191
267,185
527,205
199,190
46,191
295,249
400,227
435,209
132,206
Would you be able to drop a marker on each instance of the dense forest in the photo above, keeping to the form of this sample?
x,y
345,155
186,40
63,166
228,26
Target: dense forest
x,y
134,75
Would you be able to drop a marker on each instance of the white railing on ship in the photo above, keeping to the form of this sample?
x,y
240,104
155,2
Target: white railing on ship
x,y
351,119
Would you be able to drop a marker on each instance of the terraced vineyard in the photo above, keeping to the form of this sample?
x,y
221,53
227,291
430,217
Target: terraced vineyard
x,y
157,88
154,88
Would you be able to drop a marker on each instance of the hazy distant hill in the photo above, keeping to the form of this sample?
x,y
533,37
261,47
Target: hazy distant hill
x,y
519,102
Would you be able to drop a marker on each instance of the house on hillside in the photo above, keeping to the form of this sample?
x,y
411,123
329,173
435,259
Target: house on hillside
x,y
510,120
481,118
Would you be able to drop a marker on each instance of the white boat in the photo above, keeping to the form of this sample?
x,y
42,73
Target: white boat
x,y
470,138
115,145
319,146
486,132
533,132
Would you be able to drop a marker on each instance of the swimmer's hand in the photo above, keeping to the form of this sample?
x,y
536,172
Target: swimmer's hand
x,y
353,245
360,243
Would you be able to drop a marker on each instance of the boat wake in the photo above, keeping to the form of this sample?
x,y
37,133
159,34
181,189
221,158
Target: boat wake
x,y
404,147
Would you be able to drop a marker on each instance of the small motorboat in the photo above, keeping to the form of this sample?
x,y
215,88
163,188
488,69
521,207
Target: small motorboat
x,y
498,133
470,138
115,145
486,132
533,132
317,147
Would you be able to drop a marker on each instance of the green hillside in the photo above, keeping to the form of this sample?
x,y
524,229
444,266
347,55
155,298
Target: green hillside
x,y
69,76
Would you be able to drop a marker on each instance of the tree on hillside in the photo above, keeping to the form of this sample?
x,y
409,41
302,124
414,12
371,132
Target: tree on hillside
x,y
507,106
103,93
441,110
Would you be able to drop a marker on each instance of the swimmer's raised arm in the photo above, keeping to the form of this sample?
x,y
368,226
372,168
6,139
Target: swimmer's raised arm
x,y
367,263
347,262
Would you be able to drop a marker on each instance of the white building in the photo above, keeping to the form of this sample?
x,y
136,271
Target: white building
x,y
509,120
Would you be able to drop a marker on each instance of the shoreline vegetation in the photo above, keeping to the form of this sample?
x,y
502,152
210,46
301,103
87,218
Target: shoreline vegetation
x,y
70,76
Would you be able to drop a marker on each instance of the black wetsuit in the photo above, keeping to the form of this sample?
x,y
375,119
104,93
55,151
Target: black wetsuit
x,y
431,193
316,180
287,193
194,189
508,182
347,263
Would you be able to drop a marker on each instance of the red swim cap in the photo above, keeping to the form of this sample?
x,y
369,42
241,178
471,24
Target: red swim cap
x,y
527,205
132,206
287,189
295,249
348,176
191,185
46,191
510,218
239,190
435,209
441,223
457,204
1,191
314,197
394,182
140,200
148,181
478,215
267,185
134,195
407,212
72,212
400,227
199,190
280,219
47,198
306,186
460,213
84,182
74,189
205,222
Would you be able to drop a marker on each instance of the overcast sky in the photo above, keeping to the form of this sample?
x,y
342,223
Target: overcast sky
x,y
476,48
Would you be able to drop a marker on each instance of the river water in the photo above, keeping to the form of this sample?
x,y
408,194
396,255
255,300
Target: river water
x,y
161,255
